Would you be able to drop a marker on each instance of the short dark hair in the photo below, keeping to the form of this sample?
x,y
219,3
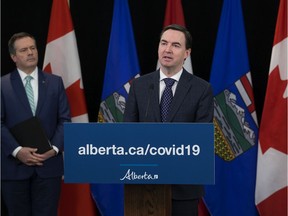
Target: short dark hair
x,y
15,37
180,28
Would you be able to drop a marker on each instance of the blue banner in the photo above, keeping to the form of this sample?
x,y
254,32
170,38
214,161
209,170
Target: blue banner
x,y
139,153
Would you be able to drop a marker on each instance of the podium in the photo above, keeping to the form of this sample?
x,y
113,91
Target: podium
x,y
147,200
137,156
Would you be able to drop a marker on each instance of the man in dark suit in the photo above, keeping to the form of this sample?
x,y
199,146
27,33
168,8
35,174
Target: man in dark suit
x,y
31,181
192,102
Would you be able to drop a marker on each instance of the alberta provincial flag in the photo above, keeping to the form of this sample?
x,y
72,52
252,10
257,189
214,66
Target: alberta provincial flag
x,y
236,128
121,67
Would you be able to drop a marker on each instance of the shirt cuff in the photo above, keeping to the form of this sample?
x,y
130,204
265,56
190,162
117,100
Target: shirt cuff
x,y
55,149
15,152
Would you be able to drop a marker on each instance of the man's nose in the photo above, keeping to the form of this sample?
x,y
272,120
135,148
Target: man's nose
x,y
30,50
168,48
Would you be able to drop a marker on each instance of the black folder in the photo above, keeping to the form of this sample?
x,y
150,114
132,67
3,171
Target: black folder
x,y
30,133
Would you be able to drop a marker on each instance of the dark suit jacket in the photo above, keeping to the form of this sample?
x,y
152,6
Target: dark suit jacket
x,y
52,110
192,102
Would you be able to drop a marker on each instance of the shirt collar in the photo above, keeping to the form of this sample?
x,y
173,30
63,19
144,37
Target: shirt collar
x,y
23,75
175,76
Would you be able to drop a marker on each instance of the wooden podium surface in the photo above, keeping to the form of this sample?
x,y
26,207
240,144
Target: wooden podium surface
x,y
147,200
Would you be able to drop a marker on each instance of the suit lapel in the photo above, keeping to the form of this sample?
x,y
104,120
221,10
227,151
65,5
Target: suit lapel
x,y
181,91
19,89
155,97
42,90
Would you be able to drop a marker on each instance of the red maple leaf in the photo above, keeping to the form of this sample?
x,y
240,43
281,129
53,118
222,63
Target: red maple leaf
x,y
273,129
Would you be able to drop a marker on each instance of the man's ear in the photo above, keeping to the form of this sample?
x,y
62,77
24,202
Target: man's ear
x,y
13,57
188,52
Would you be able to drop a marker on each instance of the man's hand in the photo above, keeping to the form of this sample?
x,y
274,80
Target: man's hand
x,y
29,157
46,155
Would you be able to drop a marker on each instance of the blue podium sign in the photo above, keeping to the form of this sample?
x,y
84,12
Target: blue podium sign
x,y
139,153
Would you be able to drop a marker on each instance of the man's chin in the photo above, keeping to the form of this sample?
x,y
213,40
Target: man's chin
x,y
32,64
166,64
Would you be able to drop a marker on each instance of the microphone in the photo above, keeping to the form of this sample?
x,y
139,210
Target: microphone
x,y
151,88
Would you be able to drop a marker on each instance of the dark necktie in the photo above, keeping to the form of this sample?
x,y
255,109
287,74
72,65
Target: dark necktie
x,y
166,98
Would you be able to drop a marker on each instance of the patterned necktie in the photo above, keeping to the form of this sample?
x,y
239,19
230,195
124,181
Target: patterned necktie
x,y
29,92
166,98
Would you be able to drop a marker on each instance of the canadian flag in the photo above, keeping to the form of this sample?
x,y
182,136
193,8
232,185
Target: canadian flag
x,y
271,182
174,15
61,58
